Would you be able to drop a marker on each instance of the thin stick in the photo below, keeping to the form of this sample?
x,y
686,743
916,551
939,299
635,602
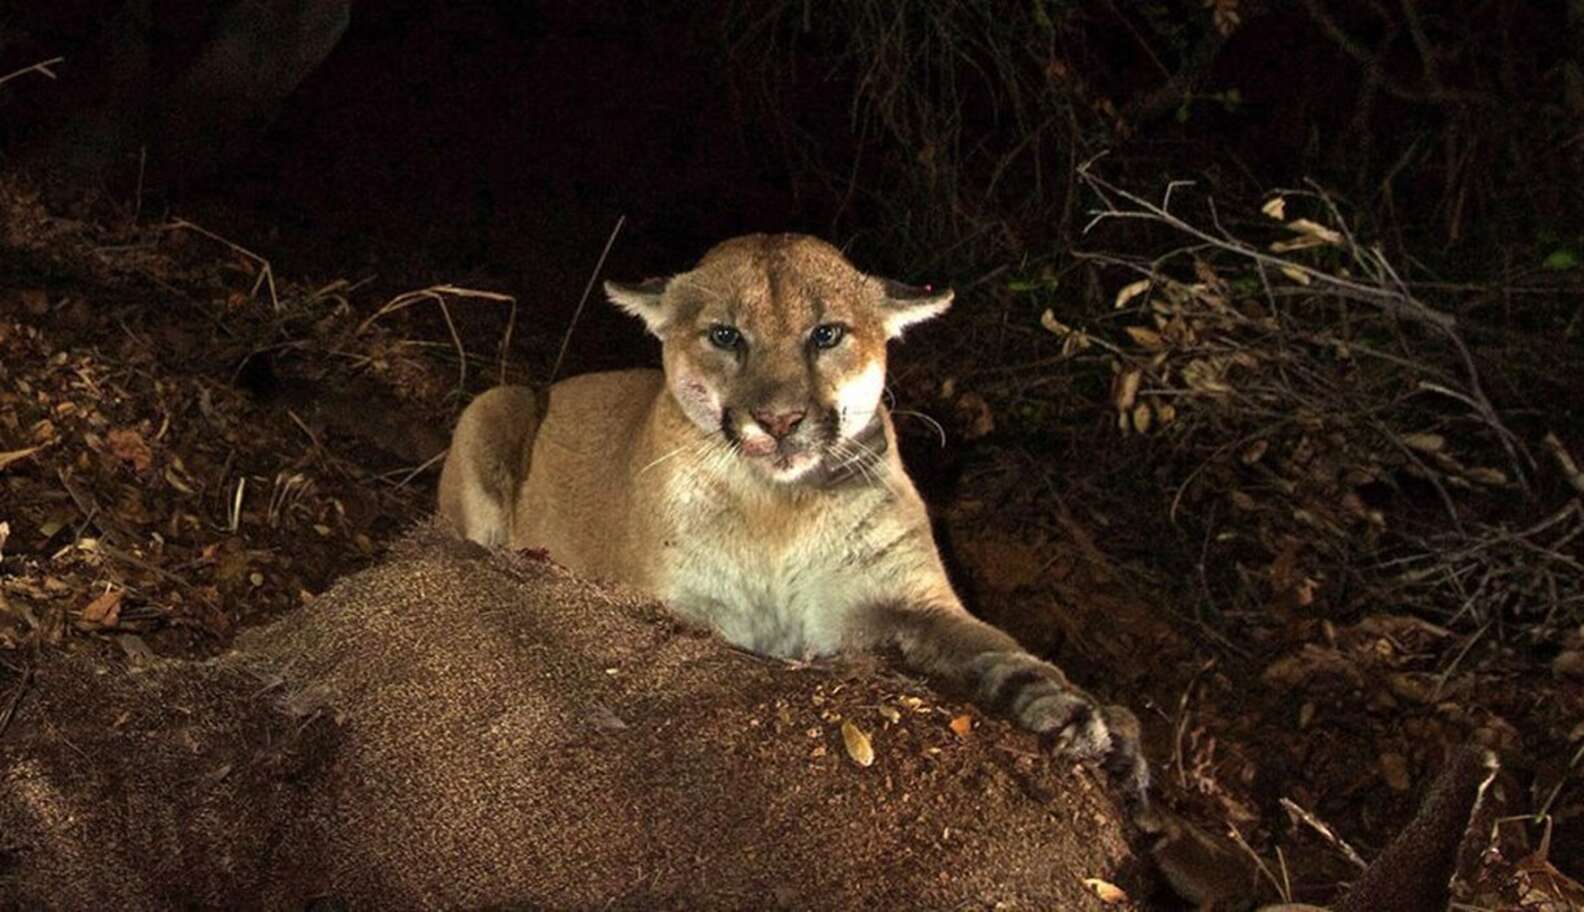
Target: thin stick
x,y
456,339
1295,811
42,66
433,292
505,346
1545,808
137,197
593,276
424,465
1237,837
16,697
437,293
266,276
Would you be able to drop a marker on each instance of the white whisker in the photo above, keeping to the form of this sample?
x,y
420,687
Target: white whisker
x,y
670,455
939,431
858,455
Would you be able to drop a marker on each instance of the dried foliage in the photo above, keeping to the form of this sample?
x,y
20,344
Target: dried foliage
x,y
1331,429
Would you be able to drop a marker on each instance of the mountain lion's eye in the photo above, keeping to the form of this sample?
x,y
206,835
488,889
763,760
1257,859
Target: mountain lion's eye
x,y
725,337
826,335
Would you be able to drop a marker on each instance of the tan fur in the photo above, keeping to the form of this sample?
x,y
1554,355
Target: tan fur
x,y
756,487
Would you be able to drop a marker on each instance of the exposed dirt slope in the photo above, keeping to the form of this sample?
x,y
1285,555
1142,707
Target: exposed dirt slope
x,y
453,728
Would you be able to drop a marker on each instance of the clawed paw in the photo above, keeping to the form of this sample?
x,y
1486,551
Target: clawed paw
x,y
1085,730
1042,700
1074,724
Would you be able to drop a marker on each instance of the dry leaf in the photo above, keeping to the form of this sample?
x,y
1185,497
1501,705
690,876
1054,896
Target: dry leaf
x,y
857,743
1394,769
1126,390
175,481
962,725
1294,273
128,446
1141,417
1206,376
1073,340
1424,443
1109,893
1146,338
1487,476
890,714
105,610
1314,230
1131,291
11,456
978,421
1569,663
1276,208
1225,15
1413,687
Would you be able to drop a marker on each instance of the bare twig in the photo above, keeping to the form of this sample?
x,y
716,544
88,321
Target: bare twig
x,y
1389,293
42,67
418,469
587,289
1545,806
1565,461
266,275
1393,302
1180,727
438,294
16,699
1259,862
1297,813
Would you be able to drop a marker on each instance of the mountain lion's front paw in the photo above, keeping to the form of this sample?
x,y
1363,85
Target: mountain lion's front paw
x,y
1042,700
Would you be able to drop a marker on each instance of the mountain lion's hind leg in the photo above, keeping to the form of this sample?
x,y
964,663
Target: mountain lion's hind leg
x,y
487,463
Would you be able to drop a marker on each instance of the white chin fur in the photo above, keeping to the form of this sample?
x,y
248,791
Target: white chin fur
x,y
789,470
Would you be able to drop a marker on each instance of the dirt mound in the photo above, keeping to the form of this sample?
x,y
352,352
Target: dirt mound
x,y
454,728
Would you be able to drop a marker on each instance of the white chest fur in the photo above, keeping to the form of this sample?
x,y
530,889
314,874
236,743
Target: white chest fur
x,y
777,578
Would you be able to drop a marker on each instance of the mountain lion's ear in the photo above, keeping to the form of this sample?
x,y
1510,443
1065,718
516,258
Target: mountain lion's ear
x,y
642,300
905,305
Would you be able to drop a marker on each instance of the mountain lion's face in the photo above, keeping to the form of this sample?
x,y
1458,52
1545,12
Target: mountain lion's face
x,y
778,344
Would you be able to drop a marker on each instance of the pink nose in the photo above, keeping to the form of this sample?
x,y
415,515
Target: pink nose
x,y
778,424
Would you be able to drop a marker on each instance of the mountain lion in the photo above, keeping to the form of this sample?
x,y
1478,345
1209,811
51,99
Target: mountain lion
x,y
754,484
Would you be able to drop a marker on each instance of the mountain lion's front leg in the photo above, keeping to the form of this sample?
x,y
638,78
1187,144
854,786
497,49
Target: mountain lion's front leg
x,y
945,641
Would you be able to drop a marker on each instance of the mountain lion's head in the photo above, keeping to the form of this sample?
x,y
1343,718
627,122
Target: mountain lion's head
x,y
778,344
